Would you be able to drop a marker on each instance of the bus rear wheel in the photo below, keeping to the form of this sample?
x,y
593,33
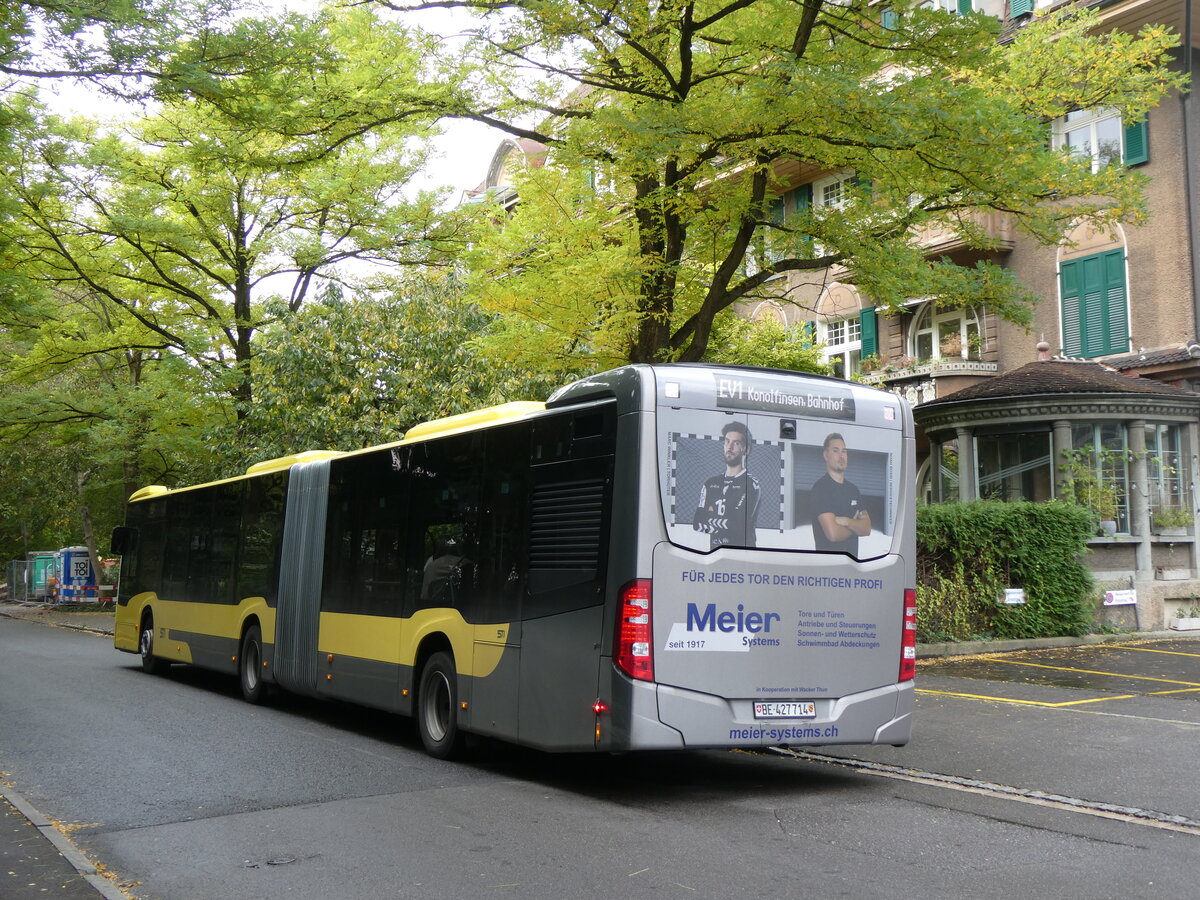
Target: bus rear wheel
x,y
250,661
151,664
437,708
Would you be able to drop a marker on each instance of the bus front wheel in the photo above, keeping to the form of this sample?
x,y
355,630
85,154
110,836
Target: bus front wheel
x,y
437,707
151,664
250,660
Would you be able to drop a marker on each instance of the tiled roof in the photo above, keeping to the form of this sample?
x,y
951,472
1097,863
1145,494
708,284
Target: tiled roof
x,y
1057,377
1161,356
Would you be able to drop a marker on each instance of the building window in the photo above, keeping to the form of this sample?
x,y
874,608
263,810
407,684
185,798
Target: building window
x,y
833,191
945,334
1014,466
1165,473
843,345
1099,467
1099,135
1095,314
961,7
946,489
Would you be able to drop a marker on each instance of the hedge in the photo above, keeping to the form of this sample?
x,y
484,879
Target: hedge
x,y
968,553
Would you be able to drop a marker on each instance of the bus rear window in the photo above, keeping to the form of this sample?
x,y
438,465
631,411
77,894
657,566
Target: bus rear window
x,y
821,479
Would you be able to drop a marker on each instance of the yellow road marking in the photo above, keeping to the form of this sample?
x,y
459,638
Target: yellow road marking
x,y
1014,662
1173,691
1149,650
1025,702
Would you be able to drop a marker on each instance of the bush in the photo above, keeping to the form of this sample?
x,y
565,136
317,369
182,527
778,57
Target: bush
x,y
968,553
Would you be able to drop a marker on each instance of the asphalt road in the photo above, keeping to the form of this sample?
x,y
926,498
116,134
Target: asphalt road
x,y
1063,784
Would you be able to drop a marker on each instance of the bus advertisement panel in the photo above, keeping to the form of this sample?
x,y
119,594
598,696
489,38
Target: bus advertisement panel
x,y
781,587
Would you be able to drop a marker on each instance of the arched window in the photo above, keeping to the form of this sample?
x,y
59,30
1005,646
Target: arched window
x,y
846,326
945,333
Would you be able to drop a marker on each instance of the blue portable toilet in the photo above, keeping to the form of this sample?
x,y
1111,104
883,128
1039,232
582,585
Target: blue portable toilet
x,y
76,577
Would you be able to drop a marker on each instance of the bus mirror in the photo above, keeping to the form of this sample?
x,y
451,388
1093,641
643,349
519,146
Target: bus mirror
x,y
123,540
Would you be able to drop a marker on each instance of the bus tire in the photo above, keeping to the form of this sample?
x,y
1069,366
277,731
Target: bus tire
x,y
437,708
250,660
151,664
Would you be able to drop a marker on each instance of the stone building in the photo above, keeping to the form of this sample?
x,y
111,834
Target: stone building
x,y
1101,383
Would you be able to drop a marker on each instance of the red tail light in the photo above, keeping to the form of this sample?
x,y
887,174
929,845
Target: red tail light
x,y
908,641
634,638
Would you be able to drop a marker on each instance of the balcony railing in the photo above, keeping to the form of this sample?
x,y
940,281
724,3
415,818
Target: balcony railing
x,y
934,368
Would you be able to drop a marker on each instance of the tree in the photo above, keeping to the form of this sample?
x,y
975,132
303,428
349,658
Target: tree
x,y
87,417
186,223
690,117
118,45
352,372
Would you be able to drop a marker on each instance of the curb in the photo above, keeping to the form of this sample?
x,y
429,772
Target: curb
x,y
948,649
63,845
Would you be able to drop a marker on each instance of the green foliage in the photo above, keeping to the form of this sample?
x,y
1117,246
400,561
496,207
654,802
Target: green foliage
x,y
690,122
346,373
1173,517
1088,482
110,42
969,552
188,220
769,343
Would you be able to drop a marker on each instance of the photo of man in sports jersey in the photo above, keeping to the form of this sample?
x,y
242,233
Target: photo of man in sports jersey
x,y
839,517
729,502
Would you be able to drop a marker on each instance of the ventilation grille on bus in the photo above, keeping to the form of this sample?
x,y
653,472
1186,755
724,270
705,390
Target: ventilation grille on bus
x,y
565,533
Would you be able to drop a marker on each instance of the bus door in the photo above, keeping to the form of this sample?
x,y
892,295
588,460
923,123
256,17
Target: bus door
x,y
563,613
499,581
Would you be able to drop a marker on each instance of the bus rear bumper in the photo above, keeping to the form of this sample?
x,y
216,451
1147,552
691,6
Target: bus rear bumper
x,y
881,715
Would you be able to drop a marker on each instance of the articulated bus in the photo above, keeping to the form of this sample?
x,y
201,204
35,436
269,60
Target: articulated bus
x,y
658,557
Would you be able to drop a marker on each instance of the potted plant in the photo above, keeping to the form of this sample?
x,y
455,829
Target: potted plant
x,y
1085,487
952,345
975,345
870,363
1187,617
1172,519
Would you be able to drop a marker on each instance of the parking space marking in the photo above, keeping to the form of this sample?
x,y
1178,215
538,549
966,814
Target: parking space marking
x,y
1151,650
1014,662
1025,702
1172,691
1067,707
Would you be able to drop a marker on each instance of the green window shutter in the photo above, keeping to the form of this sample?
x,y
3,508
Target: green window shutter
x,y
1069,278
1094,306
1117,307
1137,143
869,332
808,332
888,19
802,198
801,201
965,7
1020,8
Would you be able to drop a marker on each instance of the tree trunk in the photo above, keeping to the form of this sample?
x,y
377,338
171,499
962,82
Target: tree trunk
x,y
85,518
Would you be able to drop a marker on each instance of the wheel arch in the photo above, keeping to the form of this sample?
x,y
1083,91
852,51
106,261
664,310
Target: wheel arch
x,y
432,643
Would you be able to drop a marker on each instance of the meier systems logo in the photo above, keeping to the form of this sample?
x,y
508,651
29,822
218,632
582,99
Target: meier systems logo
x,y
727,630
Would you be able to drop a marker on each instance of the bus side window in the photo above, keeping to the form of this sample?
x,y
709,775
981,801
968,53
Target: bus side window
x,y
503,538
443,523
260,538
364,567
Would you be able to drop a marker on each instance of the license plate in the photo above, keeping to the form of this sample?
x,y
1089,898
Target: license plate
x,y
788,709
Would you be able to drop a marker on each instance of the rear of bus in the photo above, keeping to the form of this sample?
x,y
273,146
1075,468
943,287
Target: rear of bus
x,y
740,622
